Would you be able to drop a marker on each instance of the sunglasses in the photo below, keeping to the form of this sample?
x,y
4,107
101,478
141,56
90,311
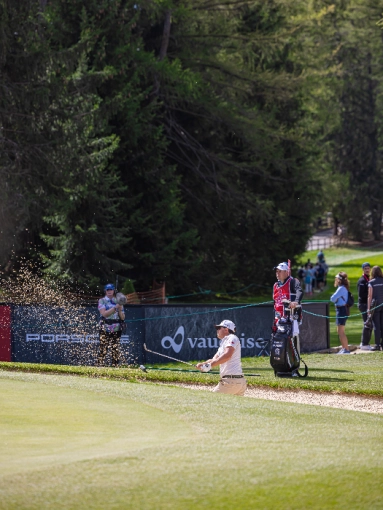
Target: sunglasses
x,y
220,327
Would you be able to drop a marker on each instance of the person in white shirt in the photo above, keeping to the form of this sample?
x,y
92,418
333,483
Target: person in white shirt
x,y
228,357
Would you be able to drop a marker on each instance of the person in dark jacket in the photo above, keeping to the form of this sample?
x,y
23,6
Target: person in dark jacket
x,y
362,287
375,291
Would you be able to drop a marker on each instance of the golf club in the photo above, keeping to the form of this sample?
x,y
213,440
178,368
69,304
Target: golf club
x,y
180,361
169,357
145,369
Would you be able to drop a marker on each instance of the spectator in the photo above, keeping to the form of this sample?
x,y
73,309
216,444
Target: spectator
x,y
320,256
362,287
308,282
375,291
339,298
313,274
301,275
320,277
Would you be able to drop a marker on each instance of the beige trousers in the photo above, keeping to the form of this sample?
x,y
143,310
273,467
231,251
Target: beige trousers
x,y
231,386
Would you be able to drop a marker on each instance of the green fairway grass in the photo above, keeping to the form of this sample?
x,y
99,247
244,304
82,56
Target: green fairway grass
x,y
36,415
102,444
360,374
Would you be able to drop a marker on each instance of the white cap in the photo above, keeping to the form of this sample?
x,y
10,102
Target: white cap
x,y
227,324
282,266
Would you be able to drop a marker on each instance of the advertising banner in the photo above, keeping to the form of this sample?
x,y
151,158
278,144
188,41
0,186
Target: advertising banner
x,y
70,335
188,333
5,333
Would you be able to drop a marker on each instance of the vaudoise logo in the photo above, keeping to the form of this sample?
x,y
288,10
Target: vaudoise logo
x,y
177,341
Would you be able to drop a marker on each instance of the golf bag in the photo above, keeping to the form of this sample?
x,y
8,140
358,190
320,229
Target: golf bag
x,y
285,356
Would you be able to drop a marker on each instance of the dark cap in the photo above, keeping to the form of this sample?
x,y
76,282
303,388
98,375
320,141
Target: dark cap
x,y
365,264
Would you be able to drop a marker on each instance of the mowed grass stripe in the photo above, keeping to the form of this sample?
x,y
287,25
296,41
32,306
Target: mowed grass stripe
x,y
44,425
232,453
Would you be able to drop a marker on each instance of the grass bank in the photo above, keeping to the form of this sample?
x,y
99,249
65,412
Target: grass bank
x,y
360,374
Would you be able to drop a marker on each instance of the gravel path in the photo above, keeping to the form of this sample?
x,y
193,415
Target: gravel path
x,y
351,402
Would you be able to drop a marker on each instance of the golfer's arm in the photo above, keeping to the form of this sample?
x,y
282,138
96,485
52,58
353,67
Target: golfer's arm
x,y
225,356
212,359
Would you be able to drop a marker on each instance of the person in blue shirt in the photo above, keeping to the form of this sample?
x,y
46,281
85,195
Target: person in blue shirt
x,y
339,298
112,317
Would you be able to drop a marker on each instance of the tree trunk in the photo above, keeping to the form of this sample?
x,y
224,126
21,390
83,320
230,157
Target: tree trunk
x,y
165,35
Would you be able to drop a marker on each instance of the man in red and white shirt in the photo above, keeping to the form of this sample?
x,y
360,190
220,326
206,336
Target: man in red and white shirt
x,y
286,287
228,357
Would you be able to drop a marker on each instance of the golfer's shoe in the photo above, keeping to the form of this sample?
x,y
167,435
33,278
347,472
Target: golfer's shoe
x,y
365,347
344,351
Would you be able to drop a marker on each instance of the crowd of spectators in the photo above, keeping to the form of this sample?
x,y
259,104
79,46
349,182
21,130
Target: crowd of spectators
x,y
313,277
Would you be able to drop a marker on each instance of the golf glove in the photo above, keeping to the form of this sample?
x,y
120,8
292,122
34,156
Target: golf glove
x,y
206,367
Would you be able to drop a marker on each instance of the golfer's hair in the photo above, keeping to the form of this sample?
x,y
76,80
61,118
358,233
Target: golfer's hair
x,y
376,272
344,279
231,331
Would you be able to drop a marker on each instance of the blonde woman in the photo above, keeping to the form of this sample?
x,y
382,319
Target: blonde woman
x,y
339,298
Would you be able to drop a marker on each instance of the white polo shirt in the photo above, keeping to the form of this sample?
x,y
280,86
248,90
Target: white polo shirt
x,y
233,366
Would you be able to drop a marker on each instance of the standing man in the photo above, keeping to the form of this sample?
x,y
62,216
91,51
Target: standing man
x,y
362,286
228,357
112,317
286,287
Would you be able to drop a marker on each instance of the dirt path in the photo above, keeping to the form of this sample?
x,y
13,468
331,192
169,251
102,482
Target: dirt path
x,y
351,402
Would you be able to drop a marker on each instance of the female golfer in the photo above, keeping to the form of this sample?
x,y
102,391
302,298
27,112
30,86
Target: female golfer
x,y
339,298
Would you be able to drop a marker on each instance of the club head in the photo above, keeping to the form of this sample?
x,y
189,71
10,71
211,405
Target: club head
x,y
143,368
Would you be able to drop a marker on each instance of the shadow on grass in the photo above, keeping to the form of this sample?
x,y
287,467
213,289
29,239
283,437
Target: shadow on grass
x,y
264,369
331,370
329,379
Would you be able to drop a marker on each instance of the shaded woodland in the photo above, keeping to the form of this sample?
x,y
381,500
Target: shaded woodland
x,y
189,142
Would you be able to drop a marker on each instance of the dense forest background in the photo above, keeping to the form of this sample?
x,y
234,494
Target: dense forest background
x,y
191,142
